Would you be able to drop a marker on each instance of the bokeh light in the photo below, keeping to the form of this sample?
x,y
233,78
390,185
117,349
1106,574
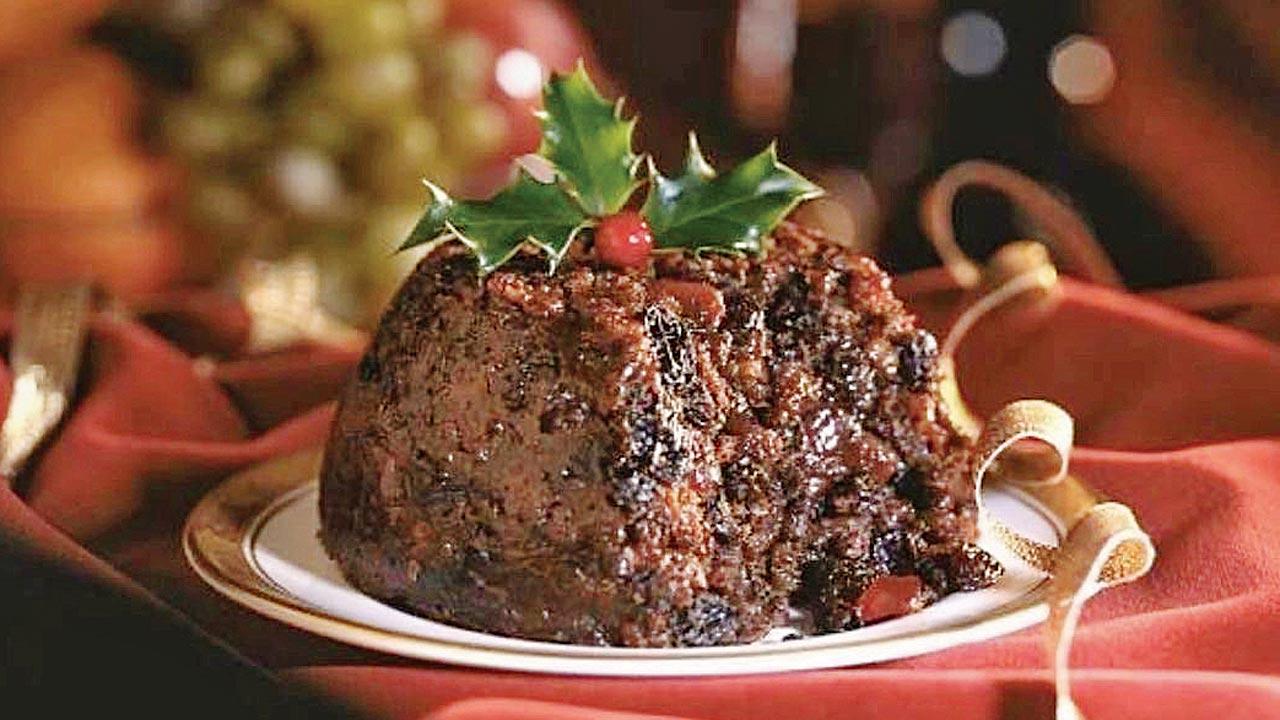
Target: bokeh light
x,y
1082,70
519,73
973,44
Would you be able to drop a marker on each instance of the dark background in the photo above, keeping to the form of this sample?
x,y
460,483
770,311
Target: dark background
x,y
869,65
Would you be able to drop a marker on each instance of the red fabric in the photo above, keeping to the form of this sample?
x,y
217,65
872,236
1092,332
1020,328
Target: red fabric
x,y
1181,419
835,695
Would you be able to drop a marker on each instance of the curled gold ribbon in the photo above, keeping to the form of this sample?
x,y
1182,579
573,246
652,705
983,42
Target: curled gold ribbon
x,y
1066,231
1027,446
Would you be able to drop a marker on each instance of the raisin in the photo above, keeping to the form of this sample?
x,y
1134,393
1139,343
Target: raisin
x,y
647,457
794,321
844,499
746,481
852,376
710,620
790,310
519,377
828,587
699,410
632,488
893,552
910,485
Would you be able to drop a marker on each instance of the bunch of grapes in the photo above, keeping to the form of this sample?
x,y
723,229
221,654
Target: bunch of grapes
x,y
306,125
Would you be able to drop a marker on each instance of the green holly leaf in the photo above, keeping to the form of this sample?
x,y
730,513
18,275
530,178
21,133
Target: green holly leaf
x,y
433,225
589,143
495,229
700,210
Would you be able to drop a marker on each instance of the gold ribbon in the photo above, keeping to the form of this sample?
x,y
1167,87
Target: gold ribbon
x,y
1065,230
282,299
1027,446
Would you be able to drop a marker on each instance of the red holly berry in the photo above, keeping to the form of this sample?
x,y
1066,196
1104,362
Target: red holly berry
x,y
624,240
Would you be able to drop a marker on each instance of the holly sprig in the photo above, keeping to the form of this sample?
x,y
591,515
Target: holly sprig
x,y
588,144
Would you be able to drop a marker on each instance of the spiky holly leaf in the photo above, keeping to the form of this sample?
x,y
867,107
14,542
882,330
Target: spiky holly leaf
x,y
700,210
588,145
589,142
432,225
494,229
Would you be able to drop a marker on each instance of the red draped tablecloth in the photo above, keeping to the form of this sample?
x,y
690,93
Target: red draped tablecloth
x,y
1177,417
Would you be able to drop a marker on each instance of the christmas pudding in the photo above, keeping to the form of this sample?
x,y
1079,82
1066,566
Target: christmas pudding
x,y
659,427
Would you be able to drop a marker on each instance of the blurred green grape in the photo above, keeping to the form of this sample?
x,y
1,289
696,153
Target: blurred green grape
x,y
370,88
385,227
312,122
307,182
477,129
465,62
308,11
414,138
203,131
233,72
309,118
266,29
363,28
403,153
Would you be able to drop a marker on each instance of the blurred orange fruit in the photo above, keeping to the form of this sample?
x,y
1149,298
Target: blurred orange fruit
x,y
66,137
30,27
77,193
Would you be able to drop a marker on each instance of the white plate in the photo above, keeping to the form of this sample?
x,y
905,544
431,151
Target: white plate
x,y
254,539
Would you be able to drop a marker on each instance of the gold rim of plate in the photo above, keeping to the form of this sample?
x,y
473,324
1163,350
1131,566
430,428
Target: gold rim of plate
x,y
220,532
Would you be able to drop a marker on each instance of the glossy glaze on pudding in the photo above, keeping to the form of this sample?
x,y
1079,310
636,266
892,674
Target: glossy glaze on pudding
x,y
662,457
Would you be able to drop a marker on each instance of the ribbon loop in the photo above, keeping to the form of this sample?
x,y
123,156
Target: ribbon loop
x,y
1027,445
1027,442
1064,229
